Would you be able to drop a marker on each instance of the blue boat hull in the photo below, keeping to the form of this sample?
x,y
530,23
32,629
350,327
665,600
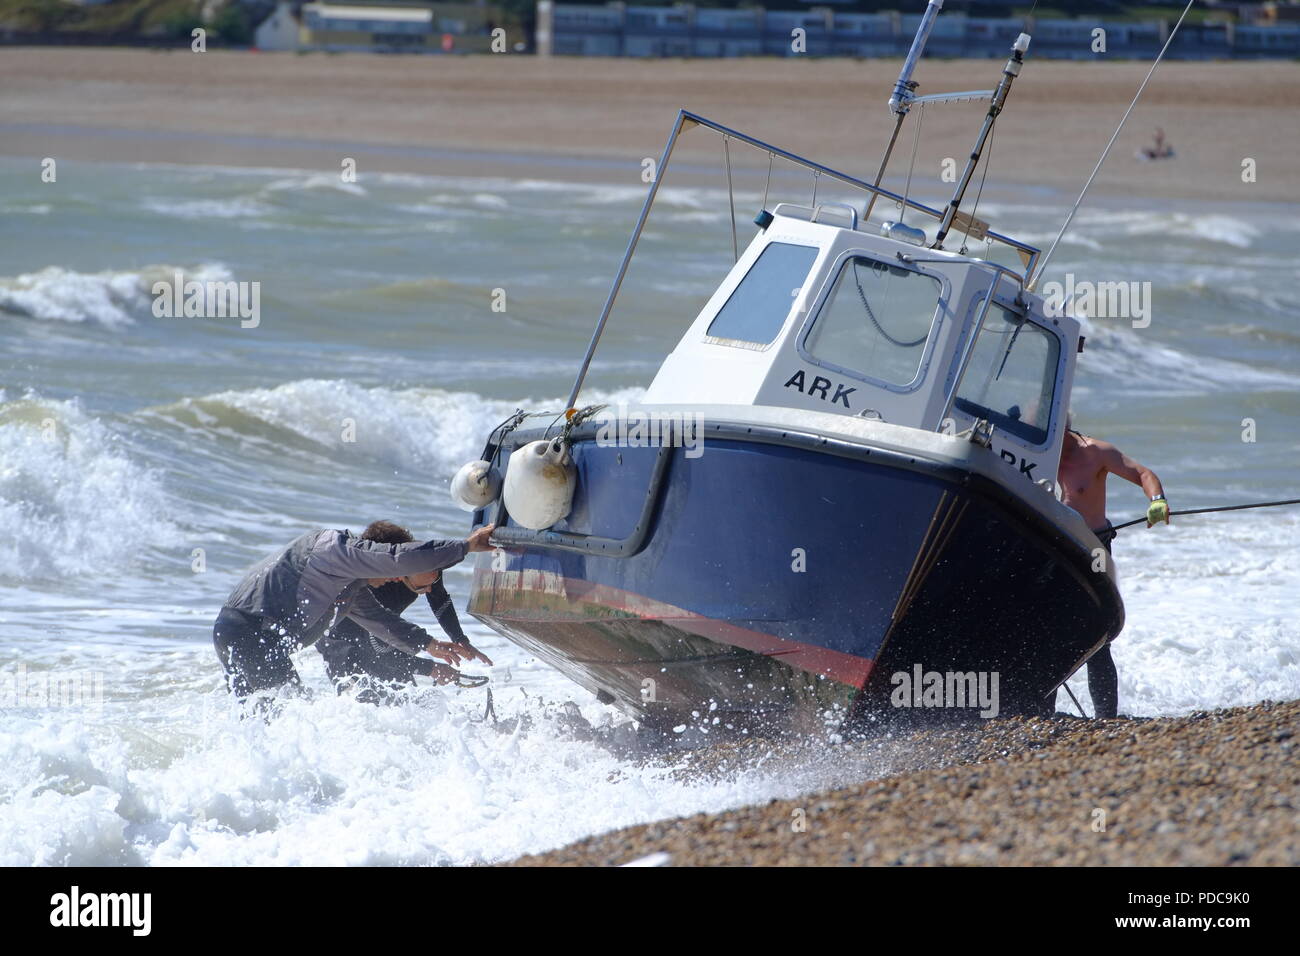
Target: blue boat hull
x,y
784,580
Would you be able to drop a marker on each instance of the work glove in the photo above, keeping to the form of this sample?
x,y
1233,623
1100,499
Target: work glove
x,y
1157,512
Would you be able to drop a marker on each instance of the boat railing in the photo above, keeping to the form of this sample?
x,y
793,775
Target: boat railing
x,y
686,120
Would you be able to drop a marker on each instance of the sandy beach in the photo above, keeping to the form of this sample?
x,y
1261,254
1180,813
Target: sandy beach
x,y
585,119
1209,789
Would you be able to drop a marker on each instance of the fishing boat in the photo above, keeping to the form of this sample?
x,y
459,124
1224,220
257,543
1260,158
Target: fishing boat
x,y
836,501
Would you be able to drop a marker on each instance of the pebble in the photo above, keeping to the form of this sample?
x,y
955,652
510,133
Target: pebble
x,y
1208,789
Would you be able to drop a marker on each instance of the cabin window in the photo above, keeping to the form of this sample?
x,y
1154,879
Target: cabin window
x,y
876,321
758,307
1011,378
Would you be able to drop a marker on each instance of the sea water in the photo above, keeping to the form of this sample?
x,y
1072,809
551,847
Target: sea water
x,y
146,461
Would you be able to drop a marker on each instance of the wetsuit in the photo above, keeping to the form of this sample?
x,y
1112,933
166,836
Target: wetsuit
x,y
296,596
350,652
1103,678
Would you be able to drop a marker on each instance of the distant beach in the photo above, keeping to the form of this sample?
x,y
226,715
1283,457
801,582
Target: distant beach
x,y
597,119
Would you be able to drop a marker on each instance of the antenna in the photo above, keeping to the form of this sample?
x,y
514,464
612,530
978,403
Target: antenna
x,y
999,99
901,101
903,89
1038,273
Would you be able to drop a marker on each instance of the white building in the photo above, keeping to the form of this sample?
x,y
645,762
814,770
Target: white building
x,y
279,31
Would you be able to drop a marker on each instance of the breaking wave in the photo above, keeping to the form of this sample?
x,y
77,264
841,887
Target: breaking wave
x,y
422,428
329,782
112,299
1120,355
73,498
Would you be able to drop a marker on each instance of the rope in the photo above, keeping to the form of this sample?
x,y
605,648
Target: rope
x,y
1206,511
980,192
731,198
546,435
1042,264
470,680
1076,701
916,141
576,419
495,440
876,322
770,157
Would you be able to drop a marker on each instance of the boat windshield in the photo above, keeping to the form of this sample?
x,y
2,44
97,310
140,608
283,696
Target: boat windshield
x,y
757,309
1011,378
876,321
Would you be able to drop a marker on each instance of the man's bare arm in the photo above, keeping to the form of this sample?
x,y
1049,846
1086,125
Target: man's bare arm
x,y
1118,463
1121,464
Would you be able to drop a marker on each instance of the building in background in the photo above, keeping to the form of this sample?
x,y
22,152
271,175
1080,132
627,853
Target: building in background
x,y
390,28
685,30
279,31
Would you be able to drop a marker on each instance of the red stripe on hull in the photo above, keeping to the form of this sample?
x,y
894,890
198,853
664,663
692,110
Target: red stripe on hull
x,y
834,665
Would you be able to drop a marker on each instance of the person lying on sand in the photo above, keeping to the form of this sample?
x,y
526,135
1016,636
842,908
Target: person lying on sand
x,y
1085,463
296,596
354,659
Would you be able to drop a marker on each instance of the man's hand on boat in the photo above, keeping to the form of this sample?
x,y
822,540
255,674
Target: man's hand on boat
x,y
478,541
450,651
474,654
457,652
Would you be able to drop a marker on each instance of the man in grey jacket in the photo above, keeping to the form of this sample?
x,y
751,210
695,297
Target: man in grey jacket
x,y
295,597
359,663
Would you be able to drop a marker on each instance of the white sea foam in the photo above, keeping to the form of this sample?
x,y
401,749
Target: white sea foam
x,y
1222,229
113,299
428,428
238,207
1108,227
1120,354
1217,228
1210,604
681,197
490,201
26,209
329,782
332,782
72,497
308,182
75,494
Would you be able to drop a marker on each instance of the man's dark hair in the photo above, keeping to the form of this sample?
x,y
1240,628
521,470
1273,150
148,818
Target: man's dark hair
x,y
385,532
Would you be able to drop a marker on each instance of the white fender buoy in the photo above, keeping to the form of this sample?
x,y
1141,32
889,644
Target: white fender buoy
x,y
539,484
476,485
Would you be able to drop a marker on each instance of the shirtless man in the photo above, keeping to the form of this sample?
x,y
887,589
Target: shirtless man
x,y
1085,463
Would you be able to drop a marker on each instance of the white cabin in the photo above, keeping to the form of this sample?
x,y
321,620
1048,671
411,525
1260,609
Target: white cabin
x,y
829,317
